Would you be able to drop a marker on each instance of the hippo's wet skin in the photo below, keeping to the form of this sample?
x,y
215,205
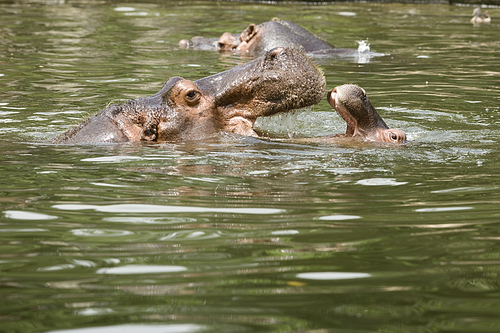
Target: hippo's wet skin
x,y
257,39
362,119
280,81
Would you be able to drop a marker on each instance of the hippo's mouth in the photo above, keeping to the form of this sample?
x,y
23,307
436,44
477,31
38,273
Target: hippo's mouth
x,y
333,99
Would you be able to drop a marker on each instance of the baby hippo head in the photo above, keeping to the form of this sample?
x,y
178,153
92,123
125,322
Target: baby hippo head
x,y
353,105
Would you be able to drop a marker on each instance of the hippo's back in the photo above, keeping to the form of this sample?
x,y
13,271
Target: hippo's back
x,y
288,34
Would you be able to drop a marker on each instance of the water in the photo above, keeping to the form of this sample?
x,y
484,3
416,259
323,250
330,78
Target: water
x,y
238,234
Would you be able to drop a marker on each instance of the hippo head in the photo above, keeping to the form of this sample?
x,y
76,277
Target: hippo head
x,y
243,42
228,41
179,111
362,119
280,81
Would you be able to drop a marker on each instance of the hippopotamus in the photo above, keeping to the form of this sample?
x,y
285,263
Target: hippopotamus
x,y
282,80
362,119
258,39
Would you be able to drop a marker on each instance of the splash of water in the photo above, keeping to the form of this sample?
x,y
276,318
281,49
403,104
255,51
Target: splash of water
x,y
364,46
281,123
364,52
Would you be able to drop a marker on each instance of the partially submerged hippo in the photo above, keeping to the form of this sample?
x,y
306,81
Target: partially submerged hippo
x,y
282,80
257,39
362,119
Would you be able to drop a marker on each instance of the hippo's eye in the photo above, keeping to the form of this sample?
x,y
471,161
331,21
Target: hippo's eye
x,y
394,136
192,97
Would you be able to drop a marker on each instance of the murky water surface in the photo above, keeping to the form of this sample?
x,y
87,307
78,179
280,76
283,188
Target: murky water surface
x,y
240,234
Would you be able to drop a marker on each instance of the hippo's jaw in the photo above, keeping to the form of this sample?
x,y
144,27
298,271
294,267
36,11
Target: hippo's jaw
x,y
280,81
288,81
352,123
351,102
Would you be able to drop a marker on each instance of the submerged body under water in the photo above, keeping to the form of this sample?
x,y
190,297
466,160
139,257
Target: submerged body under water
x,y
240,234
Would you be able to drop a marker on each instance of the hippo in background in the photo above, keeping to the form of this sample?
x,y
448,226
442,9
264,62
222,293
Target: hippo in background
x,y
363,121
282,80
257,39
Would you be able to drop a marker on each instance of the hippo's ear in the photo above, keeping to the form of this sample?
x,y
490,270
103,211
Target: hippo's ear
x,y
167,86
249,33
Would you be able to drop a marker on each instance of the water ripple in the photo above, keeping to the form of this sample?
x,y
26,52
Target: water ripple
x,y
441,209
144,208
190,235
100,232
380,182
23,215
133,328
332,275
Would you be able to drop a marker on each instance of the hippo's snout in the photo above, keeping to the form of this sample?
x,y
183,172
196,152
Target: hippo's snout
x,y
185,43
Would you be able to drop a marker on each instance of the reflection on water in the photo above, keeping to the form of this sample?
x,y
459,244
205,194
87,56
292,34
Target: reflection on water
x,y
236,234
173,328
331,275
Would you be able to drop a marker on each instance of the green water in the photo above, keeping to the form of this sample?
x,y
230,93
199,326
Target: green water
x,y
239,234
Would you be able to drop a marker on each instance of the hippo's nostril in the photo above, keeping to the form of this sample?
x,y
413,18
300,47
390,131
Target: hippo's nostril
x,y
274,52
